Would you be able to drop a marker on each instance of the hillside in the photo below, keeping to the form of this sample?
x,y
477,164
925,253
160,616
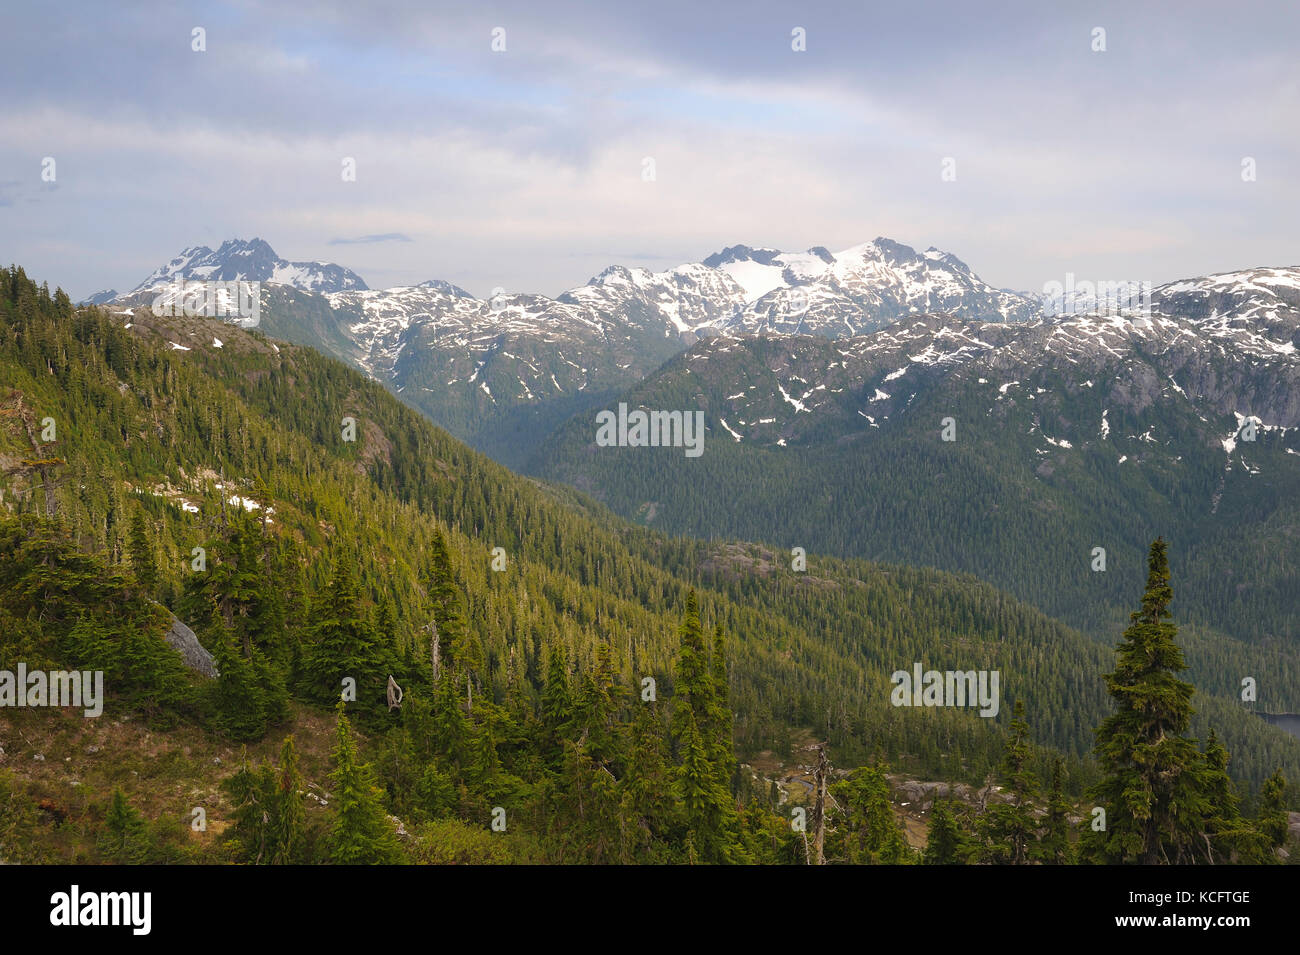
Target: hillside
x,y
329,556
1069,434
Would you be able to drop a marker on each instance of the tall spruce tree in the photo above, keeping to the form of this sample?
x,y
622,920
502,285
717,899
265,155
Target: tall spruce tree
x,y
446,602
361,833
711,817
344,643
945,844
1055,848
144,567
1273,818
1009,828
1150,788
694,687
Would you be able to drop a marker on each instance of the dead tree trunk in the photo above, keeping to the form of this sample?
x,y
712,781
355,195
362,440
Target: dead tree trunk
x,y
435,648
819,807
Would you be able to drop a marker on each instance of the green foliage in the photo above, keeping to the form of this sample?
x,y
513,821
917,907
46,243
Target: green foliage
x,y
343,644
143,565
1273,817
1165,800
247,698
361,833
1009,829
125,836
1055,847
865,830
946,844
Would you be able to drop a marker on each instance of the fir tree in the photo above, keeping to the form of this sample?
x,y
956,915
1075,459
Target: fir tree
x,y
343,642
694,686
704,802
866,831
1273,818
1054,848
125,837
648,811
720,716
143,565
446,601
250,790
288,818
945,844
557,710
1009,828
1149,789
361,833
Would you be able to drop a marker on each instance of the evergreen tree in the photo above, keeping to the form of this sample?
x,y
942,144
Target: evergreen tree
x,y
451,730
945,844
1054,848
143,565
235,696
1273,818
694,687
1150,787
125,837
866,831
1009,829
361,833
720,717
250,790
343,643
288,818
707,807
557,710
446,602
710,812
648,811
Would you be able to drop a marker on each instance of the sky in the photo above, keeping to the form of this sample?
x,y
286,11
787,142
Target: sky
x,y
997,131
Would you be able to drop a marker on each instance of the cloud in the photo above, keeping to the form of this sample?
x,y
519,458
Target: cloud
x,y
523,168
371,239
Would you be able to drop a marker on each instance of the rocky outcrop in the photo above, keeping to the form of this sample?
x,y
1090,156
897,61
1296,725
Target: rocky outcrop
x,y
183,640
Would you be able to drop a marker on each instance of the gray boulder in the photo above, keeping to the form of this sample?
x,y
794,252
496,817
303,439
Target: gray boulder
x,y
183,640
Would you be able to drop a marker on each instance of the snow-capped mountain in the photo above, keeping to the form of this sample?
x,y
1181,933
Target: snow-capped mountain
x,y
860,289
102,297
1225,343
441,286
625,321
1006,450
502,371
255,261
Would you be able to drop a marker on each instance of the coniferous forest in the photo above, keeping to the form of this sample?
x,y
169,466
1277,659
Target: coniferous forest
x,y
331,634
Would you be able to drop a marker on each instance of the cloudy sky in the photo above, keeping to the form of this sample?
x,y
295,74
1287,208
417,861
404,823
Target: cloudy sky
x,y
524,168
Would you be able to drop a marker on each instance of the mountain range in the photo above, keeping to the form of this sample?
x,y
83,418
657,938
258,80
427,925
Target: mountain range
x,y
825,379
503,372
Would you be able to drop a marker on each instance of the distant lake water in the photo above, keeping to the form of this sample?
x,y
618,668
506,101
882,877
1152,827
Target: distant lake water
x,y
1286,721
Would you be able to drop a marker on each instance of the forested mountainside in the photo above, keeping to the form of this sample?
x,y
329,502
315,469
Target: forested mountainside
x,y
1009,452
310,527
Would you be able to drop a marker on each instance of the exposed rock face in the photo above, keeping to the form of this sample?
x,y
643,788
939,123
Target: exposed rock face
x,y
184,641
